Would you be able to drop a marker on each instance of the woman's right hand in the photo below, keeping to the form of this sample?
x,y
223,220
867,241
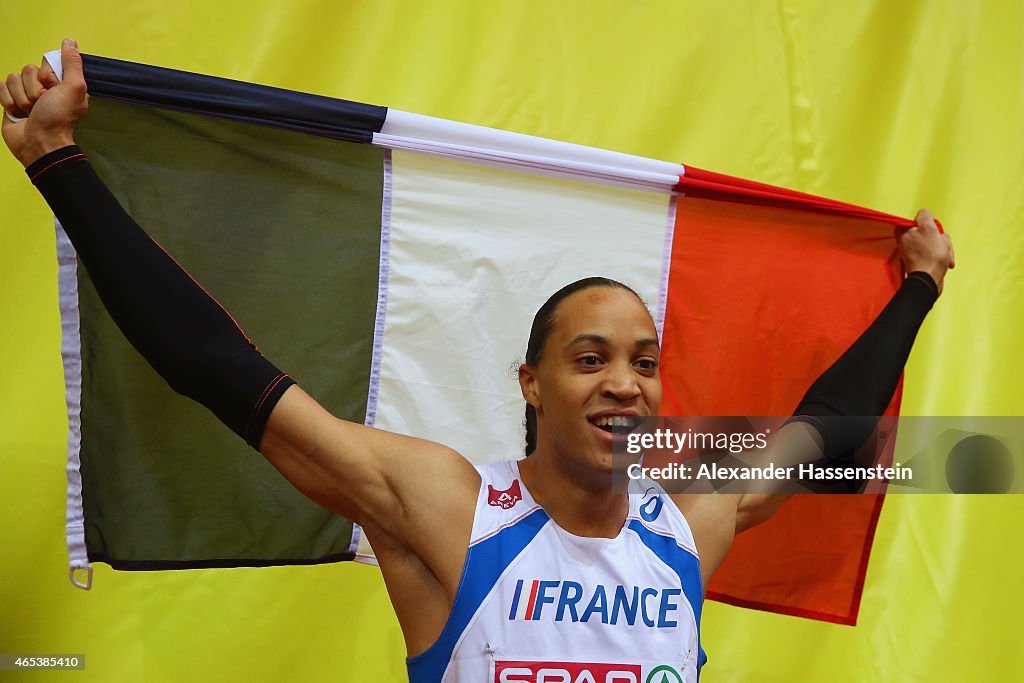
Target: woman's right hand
x,y
49,108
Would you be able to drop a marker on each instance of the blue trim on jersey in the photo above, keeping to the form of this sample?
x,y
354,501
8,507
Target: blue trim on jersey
x,y
686,566
485,563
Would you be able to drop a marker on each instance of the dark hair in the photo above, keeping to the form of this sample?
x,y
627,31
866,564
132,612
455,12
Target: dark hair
x,y
543,323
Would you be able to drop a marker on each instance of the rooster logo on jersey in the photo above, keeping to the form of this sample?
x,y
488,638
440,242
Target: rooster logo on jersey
x,y
504,499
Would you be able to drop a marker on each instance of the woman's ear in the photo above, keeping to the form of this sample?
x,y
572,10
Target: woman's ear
x,y
529,384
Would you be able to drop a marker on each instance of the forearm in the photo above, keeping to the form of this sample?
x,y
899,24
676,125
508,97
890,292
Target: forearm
x,y
191,341
844,403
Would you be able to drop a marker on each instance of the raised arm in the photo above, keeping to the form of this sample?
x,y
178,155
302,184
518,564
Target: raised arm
x,y
841,408
415,489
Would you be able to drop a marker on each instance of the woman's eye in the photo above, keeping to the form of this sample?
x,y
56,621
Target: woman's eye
x,y
647,364
590,361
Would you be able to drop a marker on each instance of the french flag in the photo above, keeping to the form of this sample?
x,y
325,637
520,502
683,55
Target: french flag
x,y
524,599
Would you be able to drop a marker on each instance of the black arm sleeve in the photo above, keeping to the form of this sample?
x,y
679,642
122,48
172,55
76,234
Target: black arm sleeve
x,y
188,338
844,404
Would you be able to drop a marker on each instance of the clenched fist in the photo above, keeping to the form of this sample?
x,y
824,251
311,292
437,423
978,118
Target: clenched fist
x,y
48,108
923,247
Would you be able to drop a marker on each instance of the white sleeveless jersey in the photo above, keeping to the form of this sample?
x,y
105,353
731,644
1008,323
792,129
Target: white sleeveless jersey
x,y
537,604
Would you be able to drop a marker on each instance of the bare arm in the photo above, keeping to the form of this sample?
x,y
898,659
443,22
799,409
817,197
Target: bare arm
x,y
368,475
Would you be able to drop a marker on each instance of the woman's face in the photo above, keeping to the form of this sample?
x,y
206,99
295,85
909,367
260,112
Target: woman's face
x,y
600,360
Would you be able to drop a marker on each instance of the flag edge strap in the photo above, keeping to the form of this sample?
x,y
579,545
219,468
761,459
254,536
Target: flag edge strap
x,y
71,359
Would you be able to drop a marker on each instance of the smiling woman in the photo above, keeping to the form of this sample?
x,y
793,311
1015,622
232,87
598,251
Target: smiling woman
x,y
599,362
463,550
543,323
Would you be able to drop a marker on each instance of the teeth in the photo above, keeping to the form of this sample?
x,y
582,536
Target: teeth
x,y
614,421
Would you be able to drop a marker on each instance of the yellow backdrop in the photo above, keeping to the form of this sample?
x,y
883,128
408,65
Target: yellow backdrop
x,y
895,105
